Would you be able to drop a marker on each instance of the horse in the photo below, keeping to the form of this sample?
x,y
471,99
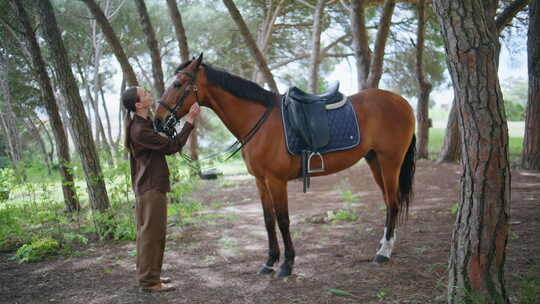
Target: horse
x,y
386,123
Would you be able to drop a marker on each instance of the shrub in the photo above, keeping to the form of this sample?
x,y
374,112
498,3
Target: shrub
x,y
7,178
37,250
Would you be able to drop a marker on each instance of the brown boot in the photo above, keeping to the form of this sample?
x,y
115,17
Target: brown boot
x,y
158,288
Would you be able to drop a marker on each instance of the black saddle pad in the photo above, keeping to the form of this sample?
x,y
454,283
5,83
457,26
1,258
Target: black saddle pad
x,y
344,131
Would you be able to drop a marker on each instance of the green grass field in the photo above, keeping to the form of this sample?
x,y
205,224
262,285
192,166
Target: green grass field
x,y
516,130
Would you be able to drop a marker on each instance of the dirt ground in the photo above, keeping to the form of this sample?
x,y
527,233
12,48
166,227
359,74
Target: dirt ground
x,y
215,259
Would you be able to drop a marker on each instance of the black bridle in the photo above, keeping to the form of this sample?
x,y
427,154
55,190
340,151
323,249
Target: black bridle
x,y
168,127
172,119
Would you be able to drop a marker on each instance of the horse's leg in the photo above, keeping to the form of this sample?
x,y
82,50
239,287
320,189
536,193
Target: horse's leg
x,y
373,163
278,192
270,222
390,168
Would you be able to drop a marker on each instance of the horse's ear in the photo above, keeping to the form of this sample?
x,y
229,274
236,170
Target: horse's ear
x,y
199,60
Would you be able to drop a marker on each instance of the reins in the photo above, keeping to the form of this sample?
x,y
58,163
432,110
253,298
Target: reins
x,y
172,120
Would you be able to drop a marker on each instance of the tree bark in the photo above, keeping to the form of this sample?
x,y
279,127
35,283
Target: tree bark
x,y
315,58
362,53
477,256
113,41
424,87
252,45
531,143
369,66
506,16
151,41
451,150
62,147
376,65
179,30
97,192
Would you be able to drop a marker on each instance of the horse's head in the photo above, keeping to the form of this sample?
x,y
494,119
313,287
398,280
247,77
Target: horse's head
x,y
178,97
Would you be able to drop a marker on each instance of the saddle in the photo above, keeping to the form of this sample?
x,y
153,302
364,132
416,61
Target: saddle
x,y
309,119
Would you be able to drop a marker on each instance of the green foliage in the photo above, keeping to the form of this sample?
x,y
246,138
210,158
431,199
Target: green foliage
x,y
36,209
339,292
37,250
349,212
348,196
348,215
455,208
7,181
529,287
514,111
183,212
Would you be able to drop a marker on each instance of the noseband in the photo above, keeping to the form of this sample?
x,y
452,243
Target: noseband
x,y
172,119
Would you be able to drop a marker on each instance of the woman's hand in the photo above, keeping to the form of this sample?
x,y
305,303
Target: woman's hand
x,y
193,112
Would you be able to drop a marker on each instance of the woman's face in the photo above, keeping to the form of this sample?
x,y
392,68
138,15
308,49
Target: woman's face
x,y
145,98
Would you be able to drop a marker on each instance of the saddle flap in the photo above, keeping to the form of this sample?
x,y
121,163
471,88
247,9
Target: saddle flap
x,y
310,121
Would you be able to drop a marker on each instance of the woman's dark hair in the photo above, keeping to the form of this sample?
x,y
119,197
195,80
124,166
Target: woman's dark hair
x,y
129,98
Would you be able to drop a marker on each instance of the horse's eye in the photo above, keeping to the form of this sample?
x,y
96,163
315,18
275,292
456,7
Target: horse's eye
x,y
177,84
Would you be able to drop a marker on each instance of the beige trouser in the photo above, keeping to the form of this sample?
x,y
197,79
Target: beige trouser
x,y
151,218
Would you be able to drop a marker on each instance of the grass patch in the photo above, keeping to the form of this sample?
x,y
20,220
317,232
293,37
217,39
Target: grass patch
x,y
515,140
34,224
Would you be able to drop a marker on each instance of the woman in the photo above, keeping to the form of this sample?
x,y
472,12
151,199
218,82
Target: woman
x,y
150,180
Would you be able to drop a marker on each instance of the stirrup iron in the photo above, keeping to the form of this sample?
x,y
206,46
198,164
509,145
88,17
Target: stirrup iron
x,y
316,170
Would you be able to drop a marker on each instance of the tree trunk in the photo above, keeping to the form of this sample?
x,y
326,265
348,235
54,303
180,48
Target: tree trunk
x,y
313,85
152,43
97,192
184,55
62,148
97,44
451,150
362,53
531,143
252,45
113,41
264,35
121,113
179,30
477,256
506,16
49,138
93,108
107,117
369,66
424,87
376,65
9,120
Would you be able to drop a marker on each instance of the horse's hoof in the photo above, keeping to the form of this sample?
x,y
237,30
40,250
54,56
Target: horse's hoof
x,y
265,270
380,259
284,271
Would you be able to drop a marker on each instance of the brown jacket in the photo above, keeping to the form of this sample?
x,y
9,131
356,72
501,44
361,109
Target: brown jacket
x,y
149,168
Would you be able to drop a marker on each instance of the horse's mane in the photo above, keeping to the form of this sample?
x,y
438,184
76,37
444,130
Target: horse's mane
x,y
235,85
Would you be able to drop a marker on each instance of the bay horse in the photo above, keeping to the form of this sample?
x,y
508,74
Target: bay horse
x,y
386,124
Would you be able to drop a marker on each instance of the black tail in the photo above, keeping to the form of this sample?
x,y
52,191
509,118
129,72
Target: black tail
x,y
406,178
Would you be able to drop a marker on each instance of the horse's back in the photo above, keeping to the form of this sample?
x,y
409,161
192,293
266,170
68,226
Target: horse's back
x,y
385,119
